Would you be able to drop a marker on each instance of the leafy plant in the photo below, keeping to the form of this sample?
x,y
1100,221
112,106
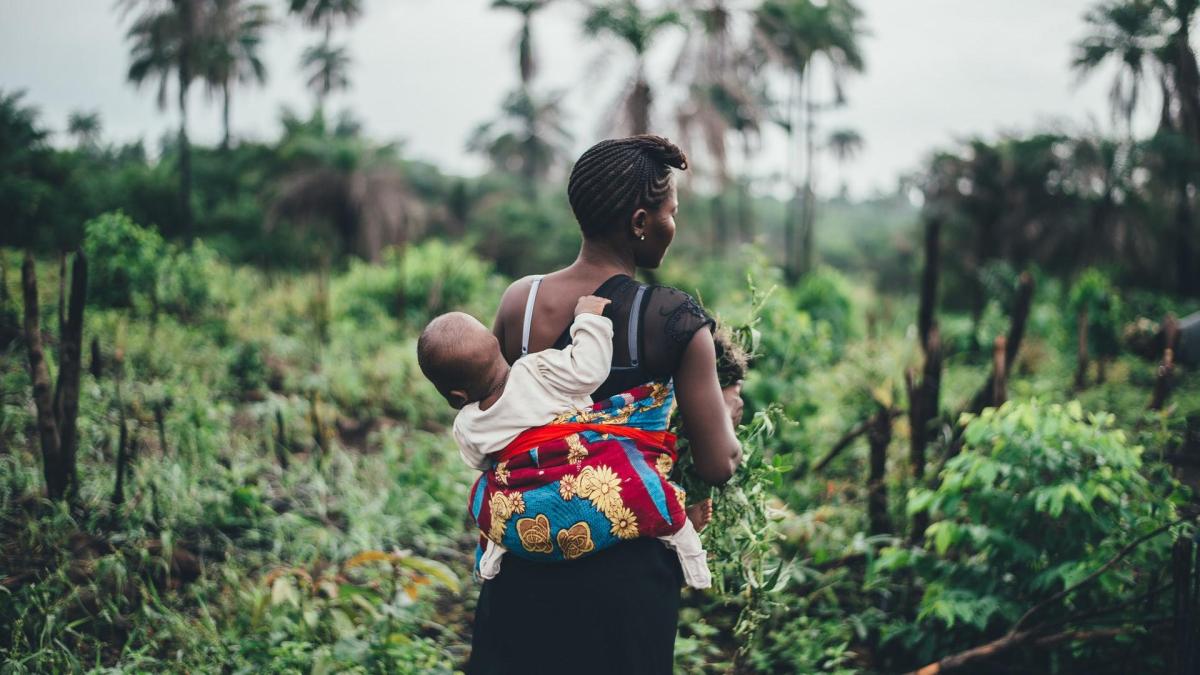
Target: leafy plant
x,y
124,260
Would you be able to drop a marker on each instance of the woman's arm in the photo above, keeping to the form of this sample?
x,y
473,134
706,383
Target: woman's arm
x,y
716,451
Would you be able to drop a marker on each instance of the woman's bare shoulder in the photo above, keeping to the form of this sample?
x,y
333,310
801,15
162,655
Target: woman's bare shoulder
x,y
512,302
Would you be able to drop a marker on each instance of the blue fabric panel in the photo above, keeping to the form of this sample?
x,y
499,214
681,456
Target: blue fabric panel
x,y
649,478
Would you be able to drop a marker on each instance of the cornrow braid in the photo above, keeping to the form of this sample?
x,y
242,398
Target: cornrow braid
x,y
616,177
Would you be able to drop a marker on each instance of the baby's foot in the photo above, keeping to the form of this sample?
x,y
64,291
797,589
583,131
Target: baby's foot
x,y
700,514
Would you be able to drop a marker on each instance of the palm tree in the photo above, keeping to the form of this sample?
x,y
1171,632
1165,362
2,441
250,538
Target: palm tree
x,y
526,63
626,21
529,138
326,13
1127,33
328,65
329,70
85,127
845,144
166,36
232,51
794,33
723,95
1142,33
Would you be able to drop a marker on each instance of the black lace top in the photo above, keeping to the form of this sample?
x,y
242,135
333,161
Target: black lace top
x,y
668,320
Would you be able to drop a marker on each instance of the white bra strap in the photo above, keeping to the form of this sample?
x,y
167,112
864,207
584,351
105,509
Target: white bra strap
x,y
537,281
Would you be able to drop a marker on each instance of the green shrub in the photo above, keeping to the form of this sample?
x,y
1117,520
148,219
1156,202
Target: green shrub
x,y
416,284
184,280
123,260
1040,497
1094,293
825,295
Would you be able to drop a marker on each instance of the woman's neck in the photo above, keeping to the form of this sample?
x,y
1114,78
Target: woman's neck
x,y
604,258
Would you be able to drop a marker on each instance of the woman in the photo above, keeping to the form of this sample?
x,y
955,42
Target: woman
x,y
615,611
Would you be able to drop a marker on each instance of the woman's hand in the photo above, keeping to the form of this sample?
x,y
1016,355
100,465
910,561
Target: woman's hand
x,y
733,402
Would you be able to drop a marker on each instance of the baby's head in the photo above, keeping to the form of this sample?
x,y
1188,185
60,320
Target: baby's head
x,y
461,357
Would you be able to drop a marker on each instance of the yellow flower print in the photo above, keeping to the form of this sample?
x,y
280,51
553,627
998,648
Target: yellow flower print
x,y
576,540
664,464
535,534
681,496
502,473
568,486
502,506
518,502
624,523
602,486
577,452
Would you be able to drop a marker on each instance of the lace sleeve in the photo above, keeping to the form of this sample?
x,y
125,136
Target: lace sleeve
x,y
672,317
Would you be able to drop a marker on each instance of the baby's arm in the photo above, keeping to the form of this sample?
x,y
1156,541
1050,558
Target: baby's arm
x,y
582,366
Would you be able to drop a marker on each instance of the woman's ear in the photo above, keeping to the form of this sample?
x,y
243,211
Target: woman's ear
x,y
637,223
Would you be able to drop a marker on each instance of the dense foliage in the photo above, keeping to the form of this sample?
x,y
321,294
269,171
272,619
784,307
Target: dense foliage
x,y
967,443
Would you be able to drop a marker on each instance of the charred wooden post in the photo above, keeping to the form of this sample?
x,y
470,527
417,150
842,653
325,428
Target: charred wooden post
x,y
879,436
1166,368
3,281
160,422
62,290
847,438
929,279
281,451
924,407
118,497
43,397
97,366
1184,573
66,393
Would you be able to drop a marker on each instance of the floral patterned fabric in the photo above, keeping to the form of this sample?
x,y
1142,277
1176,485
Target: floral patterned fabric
x,y
581,493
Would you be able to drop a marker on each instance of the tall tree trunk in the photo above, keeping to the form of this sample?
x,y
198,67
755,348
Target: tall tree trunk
x,y
187,12
791,266
929,278
225,97
745,206
185,162
810,206
1185,262
525,51
639,106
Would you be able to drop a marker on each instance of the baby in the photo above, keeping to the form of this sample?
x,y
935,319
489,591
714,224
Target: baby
x,y
497,402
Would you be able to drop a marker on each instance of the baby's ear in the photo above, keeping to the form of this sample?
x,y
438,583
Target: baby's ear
x,y
457,398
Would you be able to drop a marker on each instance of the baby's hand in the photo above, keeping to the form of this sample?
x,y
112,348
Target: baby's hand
x,y
591,304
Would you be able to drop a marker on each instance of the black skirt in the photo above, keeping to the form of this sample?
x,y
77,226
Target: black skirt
x,y
612,612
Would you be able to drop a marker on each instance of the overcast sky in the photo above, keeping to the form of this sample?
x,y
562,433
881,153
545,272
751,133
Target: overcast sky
x,y
427,72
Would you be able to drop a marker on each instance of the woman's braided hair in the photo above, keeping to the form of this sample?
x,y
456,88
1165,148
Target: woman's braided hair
x,y
618,176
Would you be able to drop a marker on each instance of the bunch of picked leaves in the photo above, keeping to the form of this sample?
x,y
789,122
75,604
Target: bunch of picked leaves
x,y
742,537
